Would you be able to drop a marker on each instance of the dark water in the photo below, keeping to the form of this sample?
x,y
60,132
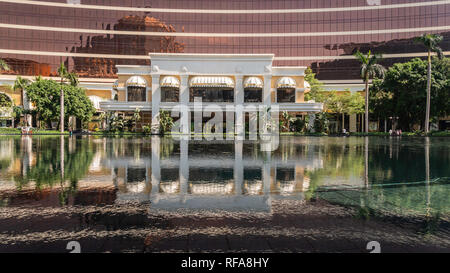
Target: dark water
x,y
408,175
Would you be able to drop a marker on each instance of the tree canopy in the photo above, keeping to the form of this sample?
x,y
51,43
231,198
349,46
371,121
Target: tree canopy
x,y
316,93
45,95
431,42
345,103
402,93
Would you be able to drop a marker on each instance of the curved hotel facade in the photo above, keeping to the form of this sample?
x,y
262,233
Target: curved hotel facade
x,y
99,40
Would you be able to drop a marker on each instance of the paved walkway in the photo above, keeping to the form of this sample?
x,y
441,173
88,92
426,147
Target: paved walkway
x,y
291,226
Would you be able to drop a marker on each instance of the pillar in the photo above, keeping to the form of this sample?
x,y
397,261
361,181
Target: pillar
x,y
184,165
267,99
184,89
266,178
239,105
184,102
156,101
238,167
156,164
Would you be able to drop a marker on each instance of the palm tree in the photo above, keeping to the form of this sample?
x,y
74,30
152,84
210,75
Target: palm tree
x,y
431,42
20,84
3,65
73,79
369,69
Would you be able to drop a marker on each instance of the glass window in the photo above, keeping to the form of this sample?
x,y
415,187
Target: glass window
x,y
252,95
212,94
169,94
286,95
136,93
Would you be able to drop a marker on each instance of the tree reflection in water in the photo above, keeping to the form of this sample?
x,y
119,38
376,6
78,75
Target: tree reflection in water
x,y
303,167
57,162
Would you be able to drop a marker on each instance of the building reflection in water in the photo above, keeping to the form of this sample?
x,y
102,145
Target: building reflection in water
x,y
231,175
168,173
227,175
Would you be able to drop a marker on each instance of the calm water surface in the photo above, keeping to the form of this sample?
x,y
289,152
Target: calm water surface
x,y
407,175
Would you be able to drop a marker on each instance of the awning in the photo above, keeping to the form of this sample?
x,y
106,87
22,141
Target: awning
x,y
96,101
136,81
170,81
211,82
286,82
253,82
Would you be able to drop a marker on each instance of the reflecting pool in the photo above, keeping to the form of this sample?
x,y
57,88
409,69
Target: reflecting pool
x,y
405,177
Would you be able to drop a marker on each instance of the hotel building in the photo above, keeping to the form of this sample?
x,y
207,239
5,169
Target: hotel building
x,y
103,40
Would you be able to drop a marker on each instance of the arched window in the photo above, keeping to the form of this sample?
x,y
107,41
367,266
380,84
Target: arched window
x,y
170,89
136,89
253,89
212,89
286,90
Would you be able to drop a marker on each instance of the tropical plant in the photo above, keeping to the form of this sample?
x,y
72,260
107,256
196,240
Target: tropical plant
x,y
102,117
66,76
135,118
117,123
165,121
431,42
21,84
286,120
321,122
147,129
3,65
369,69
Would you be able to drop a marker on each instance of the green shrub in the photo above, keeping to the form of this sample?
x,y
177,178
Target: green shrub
x,y
439,133
299,125
146,129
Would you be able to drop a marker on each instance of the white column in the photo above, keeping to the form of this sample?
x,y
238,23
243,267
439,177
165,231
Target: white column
x,y
239,105
156,164
184,165
156,101
266,172
238,167
267,99
184,89
184,101
239,90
